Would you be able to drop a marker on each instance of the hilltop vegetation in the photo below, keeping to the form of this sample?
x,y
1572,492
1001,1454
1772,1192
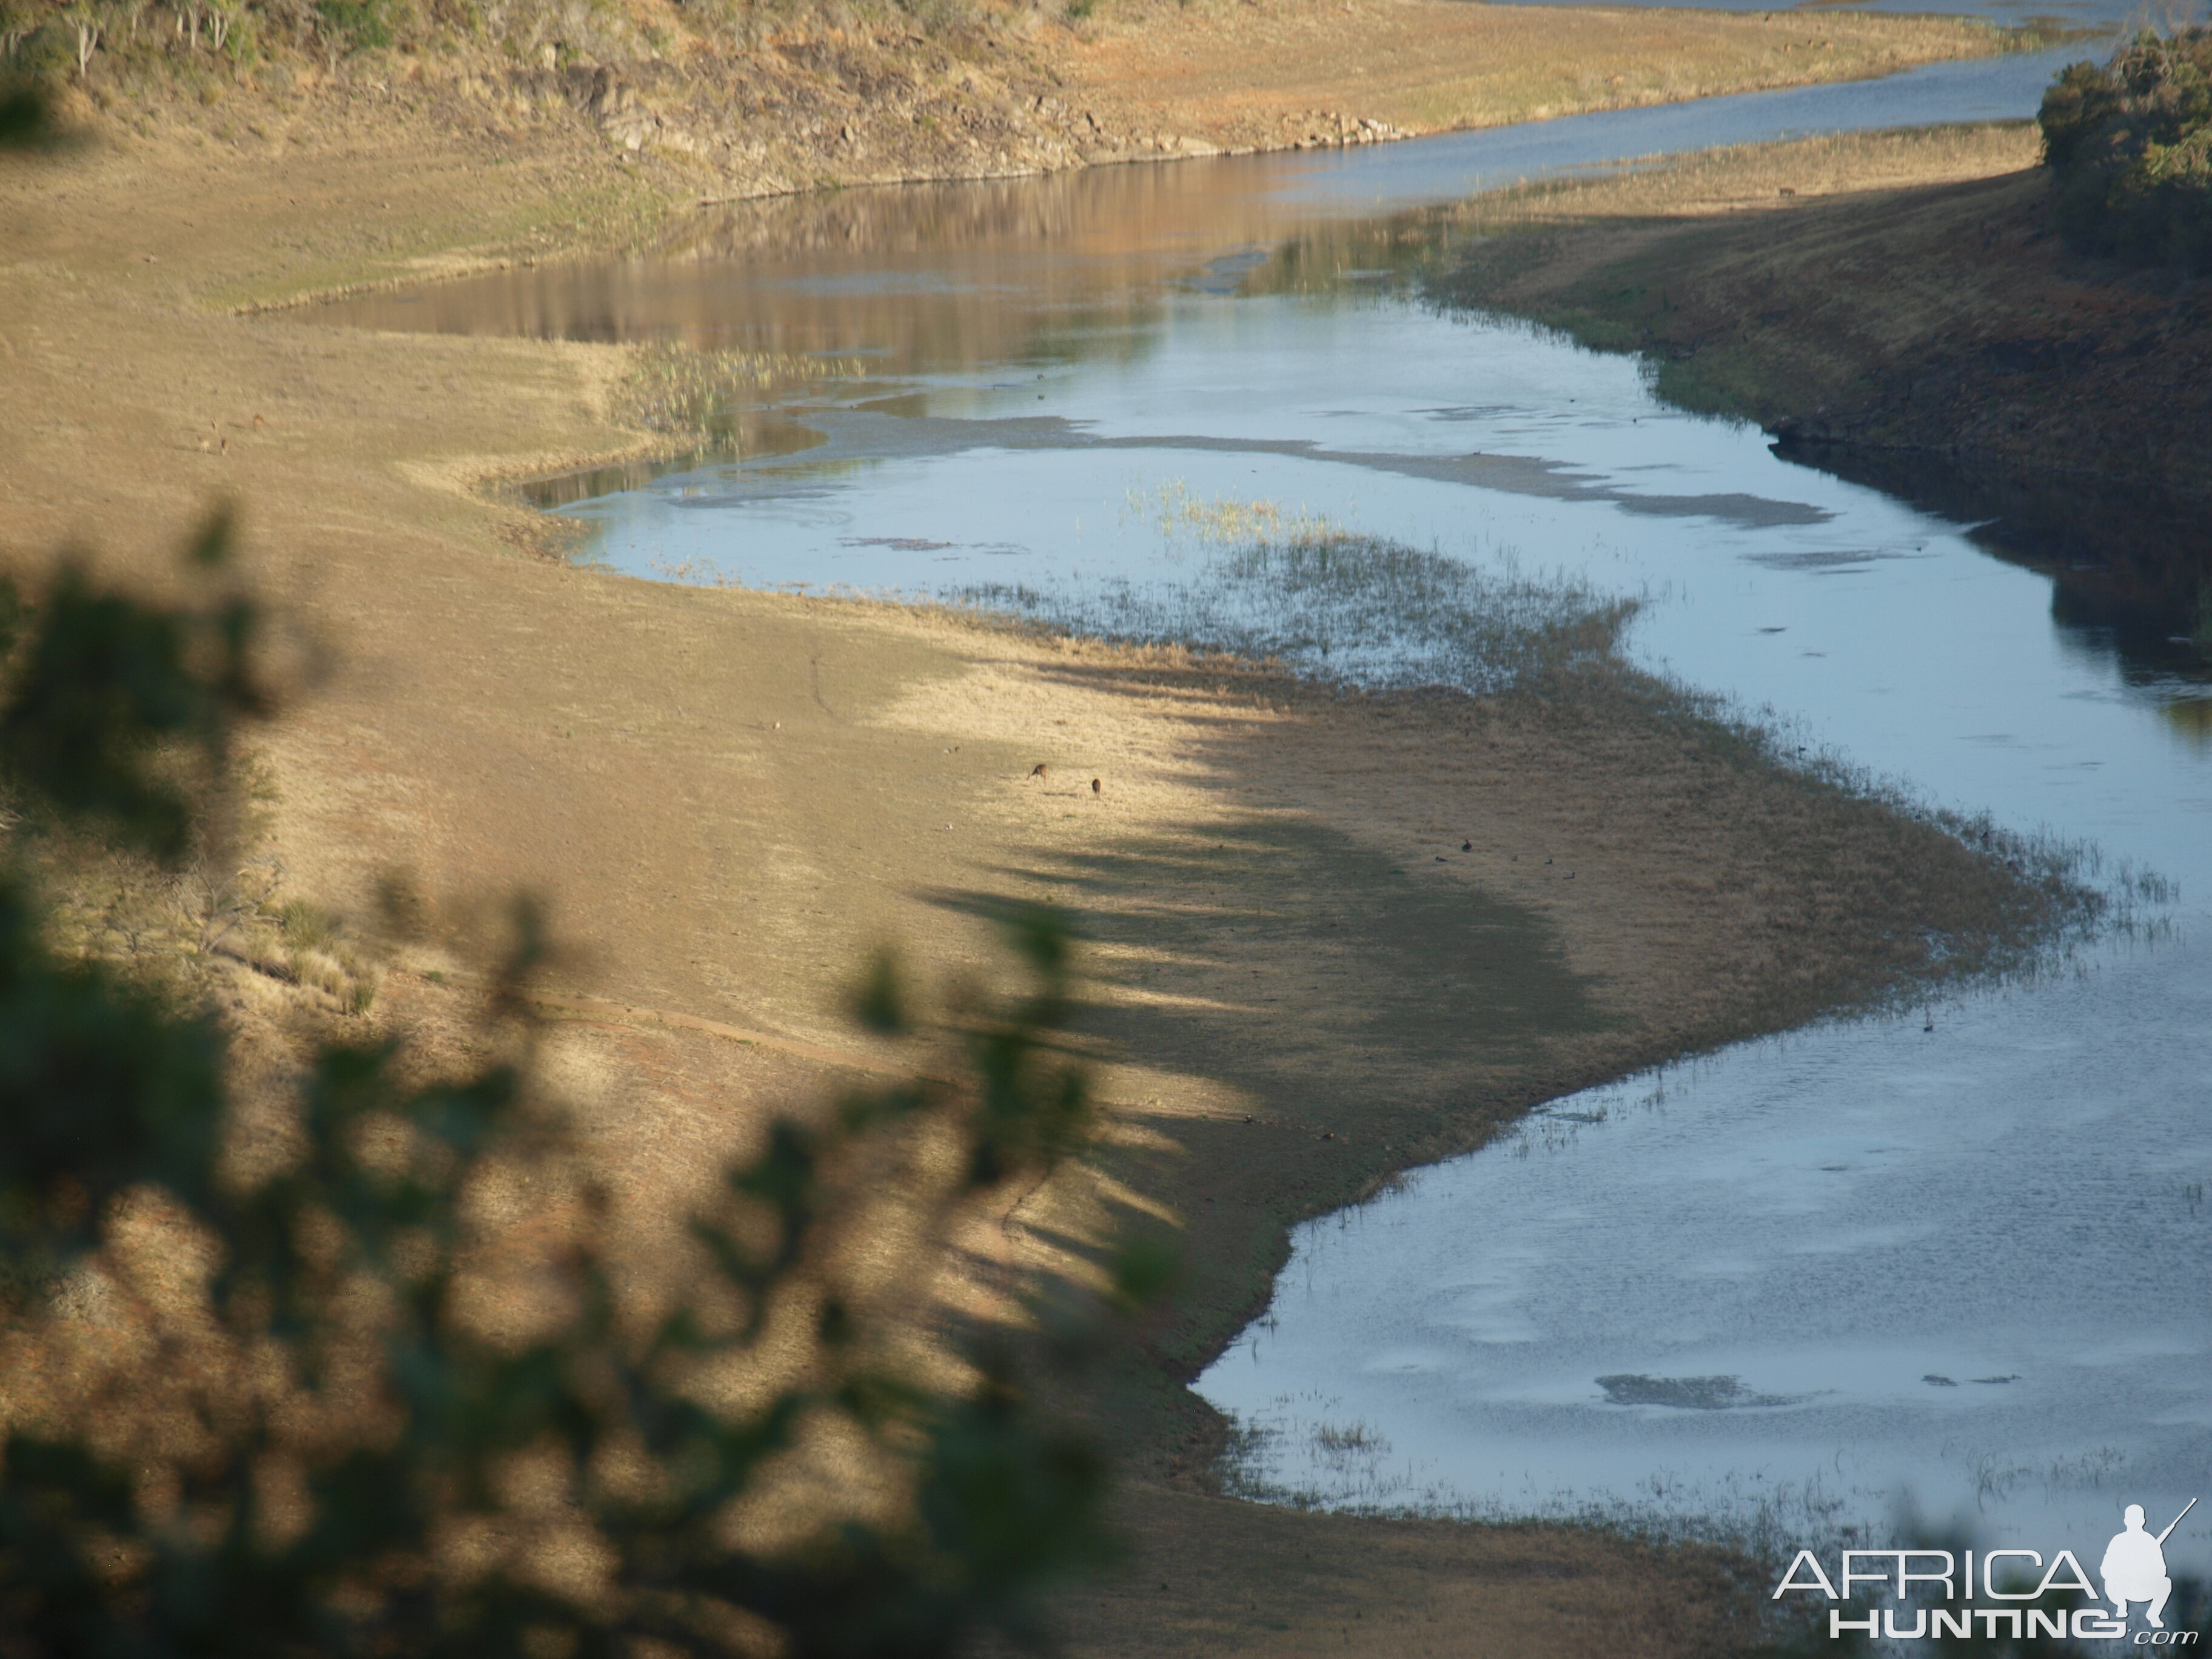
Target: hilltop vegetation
x,y
60,37
2131,144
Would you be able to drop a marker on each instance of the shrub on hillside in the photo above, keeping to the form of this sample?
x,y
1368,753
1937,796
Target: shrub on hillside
x,y
2132,145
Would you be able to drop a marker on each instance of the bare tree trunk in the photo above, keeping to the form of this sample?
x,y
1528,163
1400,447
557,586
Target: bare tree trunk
x,y
87,42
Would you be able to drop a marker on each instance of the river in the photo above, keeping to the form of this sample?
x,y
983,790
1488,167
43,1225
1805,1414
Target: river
x,y
1955,1261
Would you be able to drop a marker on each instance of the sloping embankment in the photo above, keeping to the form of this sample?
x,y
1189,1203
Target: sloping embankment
x,y
1897,307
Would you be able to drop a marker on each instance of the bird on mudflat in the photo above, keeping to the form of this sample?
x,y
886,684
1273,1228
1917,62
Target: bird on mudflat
x,y
1467,847
1037,771
1095,786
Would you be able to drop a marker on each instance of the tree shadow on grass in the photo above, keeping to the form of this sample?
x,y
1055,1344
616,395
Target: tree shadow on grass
x,y
1369,1014
1286,959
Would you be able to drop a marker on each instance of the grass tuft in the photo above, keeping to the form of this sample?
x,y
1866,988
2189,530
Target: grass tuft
x,y
306,926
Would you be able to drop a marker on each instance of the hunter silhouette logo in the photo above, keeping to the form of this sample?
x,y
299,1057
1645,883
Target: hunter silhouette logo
x,y
2134,1567
1925,1585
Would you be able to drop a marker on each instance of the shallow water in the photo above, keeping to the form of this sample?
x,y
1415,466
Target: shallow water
x,y
1797,1272
1962,1268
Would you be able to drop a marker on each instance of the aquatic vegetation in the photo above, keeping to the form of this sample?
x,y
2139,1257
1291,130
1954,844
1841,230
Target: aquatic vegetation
x,y
1176,511
1353,609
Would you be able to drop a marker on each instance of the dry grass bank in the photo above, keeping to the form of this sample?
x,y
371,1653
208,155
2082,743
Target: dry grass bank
x,y
585,154
1887,292
1227,75
728,797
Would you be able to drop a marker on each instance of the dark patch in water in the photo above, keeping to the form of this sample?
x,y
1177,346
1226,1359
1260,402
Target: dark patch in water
x,y
1701,1393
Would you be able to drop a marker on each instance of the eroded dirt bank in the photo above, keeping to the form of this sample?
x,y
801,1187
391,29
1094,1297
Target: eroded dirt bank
x,y
1328,937
1897,307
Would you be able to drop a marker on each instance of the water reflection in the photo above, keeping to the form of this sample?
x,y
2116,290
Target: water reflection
x,y
919,279
2130,569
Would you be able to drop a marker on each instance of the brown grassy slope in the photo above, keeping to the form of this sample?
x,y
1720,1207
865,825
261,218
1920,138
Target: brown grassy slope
x,y
1909,295
1004,92
728,797
1231,75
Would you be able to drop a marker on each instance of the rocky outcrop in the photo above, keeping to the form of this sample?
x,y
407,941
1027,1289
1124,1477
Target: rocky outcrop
x,y
855,107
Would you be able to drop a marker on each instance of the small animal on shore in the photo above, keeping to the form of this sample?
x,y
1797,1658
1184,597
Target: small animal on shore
x,y
259,423
1097,787
1467,847
1037,771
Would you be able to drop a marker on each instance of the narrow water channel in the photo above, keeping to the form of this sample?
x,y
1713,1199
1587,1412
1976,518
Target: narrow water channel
x,y
1795,1285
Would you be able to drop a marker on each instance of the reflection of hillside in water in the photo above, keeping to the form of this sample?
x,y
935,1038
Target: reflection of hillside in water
x,y
923,277
1319,257
2131,569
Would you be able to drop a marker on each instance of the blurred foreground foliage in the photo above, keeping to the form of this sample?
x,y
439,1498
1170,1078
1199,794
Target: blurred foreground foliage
x,y
2130,144
322,1446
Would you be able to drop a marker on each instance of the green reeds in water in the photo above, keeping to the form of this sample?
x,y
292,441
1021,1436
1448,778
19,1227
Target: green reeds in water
x,y
1349,608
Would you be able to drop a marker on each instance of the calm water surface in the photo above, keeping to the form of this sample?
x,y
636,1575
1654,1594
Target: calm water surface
x,y
1801,1283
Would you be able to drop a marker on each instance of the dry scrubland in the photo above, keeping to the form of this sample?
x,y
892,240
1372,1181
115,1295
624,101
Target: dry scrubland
x,y
1299,982
1887,292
